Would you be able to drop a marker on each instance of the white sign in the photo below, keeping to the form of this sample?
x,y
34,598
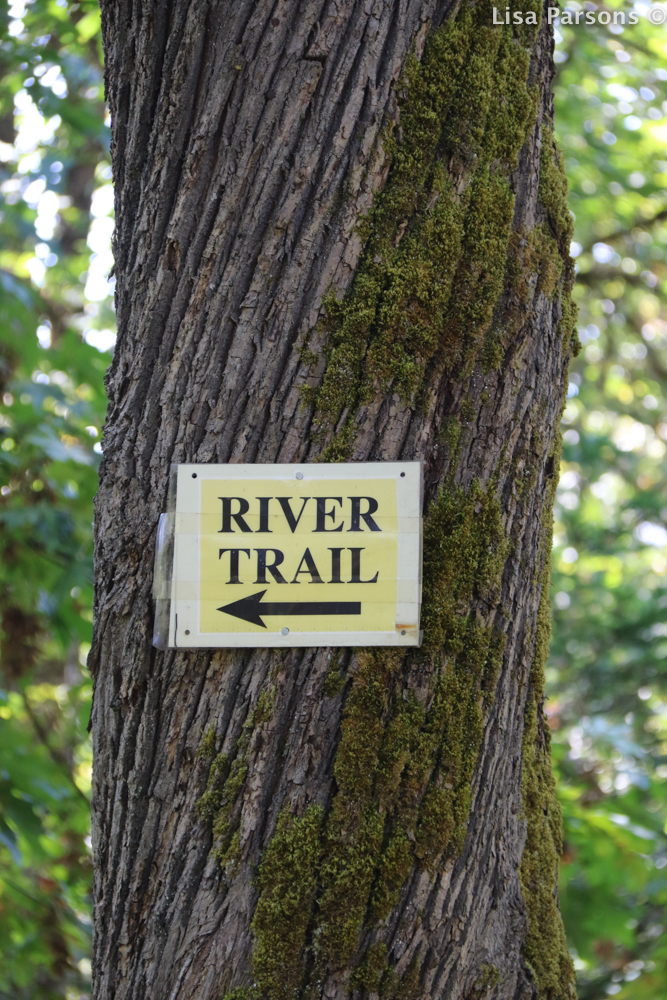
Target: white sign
x,y
296,555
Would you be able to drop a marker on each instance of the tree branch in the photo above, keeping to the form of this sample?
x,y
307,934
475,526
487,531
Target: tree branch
x,y
621,233
56,755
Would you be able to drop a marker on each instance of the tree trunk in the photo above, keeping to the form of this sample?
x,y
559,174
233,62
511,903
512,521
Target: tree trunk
x,y
341,233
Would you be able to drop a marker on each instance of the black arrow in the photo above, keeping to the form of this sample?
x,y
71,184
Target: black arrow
x,y
249,609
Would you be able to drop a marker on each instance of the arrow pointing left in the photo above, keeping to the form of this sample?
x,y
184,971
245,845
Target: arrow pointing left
x,y
249,609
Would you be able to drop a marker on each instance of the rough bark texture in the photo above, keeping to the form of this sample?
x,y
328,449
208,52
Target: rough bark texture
x,y
283,824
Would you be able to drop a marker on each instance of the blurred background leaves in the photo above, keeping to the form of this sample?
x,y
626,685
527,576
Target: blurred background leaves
x,y
608,672
607,676
56,329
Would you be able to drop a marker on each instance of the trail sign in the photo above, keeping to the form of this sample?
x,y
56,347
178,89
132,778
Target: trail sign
x,y
292,555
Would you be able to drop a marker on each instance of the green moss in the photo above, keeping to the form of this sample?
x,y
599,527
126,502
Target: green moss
x,y
394,867
368,973
352,852
545,948
488,979
209,803
552,191
450,434
230,856
468,410
218,769
287,881
242,993
492,356
528,272
482,268
405,987
356,823
435,250
335,679
553,196
439,251
568,326
464,551
263,709
226,815
206,749
549,262
457,714
226,778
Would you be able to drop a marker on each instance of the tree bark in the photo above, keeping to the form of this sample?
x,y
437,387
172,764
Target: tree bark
x,y
341,232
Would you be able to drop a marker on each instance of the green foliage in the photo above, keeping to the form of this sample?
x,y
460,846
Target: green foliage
x,y
606,679
53,170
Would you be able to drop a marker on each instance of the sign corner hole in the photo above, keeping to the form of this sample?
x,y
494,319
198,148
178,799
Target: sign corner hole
x,y
402,475
187,631
194,475
402,632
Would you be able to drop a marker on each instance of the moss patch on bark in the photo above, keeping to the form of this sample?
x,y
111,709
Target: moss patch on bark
x,y
287,883
403,768
437,237
545,948
439,252
220,802
403,771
